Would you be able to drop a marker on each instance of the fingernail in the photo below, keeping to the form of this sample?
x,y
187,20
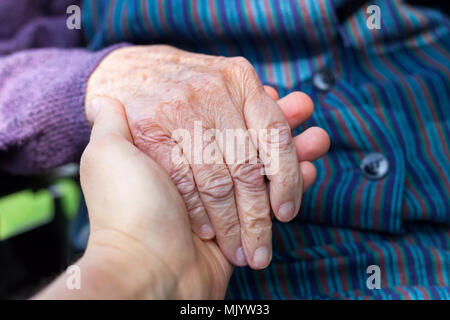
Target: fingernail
x,y
240,257
286,211
206,230
261,258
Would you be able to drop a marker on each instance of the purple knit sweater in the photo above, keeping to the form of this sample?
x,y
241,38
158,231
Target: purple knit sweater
x,y
43,77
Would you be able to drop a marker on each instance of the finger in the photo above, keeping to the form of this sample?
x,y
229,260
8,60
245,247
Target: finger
x,y
277,152
216,192
311,144
215,188
297,107
161,147
183,178
109,118
250,190
308,174
272,92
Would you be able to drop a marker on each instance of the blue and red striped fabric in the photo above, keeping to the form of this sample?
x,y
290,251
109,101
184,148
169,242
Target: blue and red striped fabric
x,y
391,96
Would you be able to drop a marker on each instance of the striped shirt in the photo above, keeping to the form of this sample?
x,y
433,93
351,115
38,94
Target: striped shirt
x,y
376,90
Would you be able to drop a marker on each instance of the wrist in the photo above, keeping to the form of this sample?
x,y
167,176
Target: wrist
x,y
91,85
123,268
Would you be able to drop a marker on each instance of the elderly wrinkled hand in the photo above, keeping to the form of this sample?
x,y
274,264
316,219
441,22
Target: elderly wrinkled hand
x,y
165,90
141,245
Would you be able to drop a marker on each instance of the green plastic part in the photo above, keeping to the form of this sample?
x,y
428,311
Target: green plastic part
x,y
70,196
23,211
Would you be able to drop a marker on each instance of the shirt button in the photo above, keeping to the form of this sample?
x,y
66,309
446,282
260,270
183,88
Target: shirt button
x,y
323,80
375,166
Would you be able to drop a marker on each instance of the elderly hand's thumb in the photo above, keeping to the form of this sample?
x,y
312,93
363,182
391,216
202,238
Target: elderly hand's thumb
x,y
108,117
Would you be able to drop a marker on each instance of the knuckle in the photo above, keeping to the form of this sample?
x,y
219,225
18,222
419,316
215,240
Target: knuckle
x,y
229,230
289,180
257,224
146,133
191,199
241,62
241,67
207,90
184,181
195,209
249,176
215,183
279,136
295,177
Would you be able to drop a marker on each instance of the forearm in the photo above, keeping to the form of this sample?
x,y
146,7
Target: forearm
x,y
106,272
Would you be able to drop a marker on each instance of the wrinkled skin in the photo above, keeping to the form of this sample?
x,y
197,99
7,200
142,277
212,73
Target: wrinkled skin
x,y
139,221
164,89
